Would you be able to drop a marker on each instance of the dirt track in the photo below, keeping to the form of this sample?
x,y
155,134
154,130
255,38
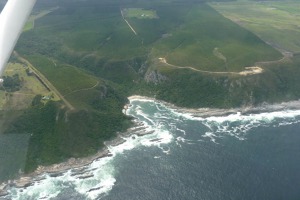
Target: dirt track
x,y
246,72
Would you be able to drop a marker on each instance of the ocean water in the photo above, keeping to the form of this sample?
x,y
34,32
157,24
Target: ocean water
x,y
238,156
13,149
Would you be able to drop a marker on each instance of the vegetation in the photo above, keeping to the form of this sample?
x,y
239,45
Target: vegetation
x,y
268,20
88,52
278,83
139,13
11,83
30,23
24,85
65,78
58,134
186,35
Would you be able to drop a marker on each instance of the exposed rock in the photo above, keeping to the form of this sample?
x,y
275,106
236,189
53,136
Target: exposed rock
x,y
166,35
93,189
142,133
103,92
56,174
155,77
3,190
143,69
3,193
115,142
85,176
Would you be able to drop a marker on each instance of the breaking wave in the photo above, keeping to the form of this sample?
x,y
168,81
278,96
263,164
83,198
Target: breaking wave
x,y
158,126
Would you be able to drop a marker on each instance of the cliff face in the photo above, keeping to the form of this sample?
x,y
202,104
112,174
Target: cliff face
x,y
155,77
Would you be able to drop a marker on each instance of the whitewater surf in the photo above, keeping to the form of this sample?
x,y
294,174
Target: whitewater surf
x,y
161,131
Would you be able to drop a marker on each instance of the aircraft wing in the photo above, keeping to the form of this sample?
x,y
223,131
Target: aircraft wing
x,y
12,20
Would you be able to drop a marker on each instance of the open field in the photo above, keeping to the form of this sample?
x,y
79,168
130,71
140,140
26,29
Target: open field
x,y
73,83
276,22
204,30
186,35
139,13
30,23
31,87
65,78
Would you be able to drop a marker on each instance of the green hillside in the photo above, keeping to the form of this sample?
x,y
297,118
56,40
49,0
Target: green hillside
x,y
96,56
277,22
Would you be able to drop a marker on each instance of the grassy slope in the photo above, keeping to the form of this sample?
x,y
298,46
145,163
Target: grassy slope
x,y
276,22
204,30
96,38
57,133
139,13
30,22
93,36
278,83
101,36
207,90
65,78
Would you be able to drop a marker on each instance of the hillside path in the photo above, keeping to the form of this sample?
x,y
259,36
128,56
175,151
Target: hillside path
x,y
83,89
248,71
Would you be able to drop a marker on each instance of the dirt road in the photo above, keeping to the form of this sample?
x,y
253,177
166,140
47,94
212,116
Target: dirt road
x,y
45,81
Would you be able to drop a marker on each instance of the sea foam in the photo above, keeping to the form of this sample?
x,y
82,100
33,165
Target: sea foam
x,y
98,178
164,125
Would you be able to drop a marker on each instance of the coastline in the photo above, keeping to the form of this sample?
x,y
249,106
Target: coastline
x,y
139,129
209,112
27,180
75,164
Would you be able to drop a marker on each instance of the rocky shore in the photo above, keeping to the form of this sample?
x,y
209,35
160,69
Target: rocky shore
x,y
209,112
3,188
78,165
52,170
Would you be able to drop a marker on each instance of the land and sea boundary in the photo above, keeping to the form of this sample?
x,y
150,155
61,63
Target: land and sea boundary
x,y
94,56
138,130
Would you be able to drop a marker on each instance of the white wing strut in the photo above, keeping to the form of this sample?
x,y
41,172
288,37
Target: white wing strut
x,y
12,19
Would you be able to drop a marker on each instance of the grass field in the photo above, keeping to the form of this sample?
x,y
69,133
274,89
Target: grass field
x,y
139,13
76,85
186,35
30,22
65,78
204,30
31,87
93,36
277,23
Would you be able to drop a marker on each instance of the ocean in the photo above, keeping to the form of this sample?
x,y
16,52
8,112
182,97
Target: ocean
x,y
238,156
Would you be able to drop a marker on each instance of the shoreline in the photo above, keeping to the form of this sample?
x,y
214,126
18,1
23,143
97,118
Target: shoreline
x,y
75,164
138,129
27,180
218,112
